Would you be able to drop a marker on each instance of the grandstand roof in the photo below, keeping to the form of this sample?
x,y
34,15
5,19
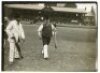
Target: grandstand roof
x,y
37,7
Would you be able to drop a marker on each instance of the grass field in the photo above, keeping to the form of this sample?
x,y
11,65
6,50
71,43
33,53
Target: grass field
x,y
76,51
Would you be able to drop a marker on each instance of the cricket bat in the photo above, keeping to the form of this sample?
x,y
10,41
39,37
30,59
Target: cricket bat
x,y
55,40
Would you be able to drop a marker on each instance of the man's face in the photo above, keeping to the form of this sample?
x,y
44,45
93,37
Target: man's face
x,y
6,18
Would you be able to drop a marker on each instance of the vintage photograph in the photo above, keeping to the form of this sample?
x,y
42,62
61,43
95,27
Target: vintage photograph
x,y
49,36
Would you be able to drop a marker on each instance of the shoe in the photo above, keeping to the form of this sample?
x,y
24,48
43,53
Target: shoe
x,y
21,57
17,58
46,58
10,63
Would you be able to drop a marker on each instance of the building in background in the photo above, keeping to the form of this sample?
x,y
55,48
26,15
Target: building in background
x,y
62,13
90,18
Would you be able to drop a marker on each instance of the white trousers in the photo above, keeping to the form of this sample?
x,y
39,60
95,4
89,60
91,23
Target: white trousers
x,y
13,52
45,51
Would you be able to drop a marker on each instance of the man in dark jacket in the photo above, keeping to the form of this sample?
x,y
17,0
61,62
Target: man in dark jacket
x,y
45,31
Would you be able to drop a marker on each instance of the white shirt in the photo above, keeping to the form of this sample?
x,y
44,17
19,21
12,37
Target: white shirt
x,y
15,30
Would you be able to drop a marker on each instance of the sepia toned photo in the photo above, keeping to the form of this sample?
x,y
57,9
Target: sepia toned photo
x,y
49,36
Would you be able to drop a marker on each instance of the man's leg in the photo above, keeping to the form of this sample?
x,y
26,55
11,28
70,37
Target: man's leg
x,y
19,50
45,48
11,52
46,41
16,54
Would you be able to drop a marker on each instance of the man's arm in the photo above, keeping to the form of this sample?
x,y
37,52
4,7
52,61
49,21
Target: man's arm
x,y
40,30
22,32
53,30
9,30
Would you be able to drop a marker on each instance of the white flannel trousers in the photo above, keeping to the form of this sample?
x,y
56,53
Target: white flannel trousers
x,y
45,51
13,52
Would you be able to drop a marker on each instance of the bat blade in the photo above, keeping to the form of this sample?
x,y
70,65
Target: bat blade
x,y
55,46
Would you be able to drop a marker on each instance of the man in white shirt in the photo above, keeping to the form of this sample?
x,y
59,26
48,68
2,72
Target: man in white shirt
x,y
15,35
45,31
